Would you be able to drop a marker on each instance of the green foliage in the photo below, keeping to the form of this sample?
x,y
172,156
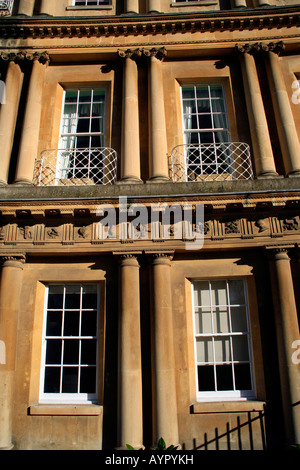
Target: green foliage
x,y
161,445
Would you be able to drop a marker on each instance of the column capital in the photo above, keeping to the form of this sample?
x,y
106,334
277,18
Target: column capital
x,y
129,53
16,260
276,252
159,53
252,48
127,258
22,56
161,257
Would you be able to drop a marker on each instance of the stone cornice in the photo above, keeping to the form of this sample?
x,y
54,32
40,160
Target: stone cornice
x,y
233,20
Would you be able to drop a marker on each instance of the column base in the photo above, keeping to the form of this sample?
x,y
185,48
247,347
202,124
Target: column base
x,y
130,180
269,174
158,179
294,174
9,447
23,181
3,183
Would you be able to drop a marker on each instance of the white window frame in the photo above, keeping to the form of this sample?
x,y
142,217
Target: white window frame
x,y
221,166
67,398
225,395
91,3
63,155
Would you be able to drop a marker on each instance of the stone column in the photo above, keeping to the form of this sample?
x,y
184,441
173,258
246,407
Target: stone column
x,y
262,148
9,111
10,291
31,123
159,171
165,423
130,369
130,162
26,7
288,136
238,4
132,6
46,7
153,6
287,330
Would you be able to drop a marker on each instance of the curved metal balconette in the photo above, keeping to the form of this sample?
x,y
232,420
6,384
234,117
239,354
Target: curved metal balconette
x,y
211,162
78,166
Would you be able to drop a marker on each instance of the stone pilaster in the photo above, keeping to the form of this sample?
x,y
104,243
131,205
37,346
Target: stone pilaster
x,y
130,417
9,110
31,123
262,148
159,171
287,330
165,423
130,162
10,292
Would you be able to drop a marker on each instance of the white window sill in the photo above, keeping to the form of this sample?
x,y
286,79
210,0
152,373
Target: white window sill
x,y
227,407
65,410
90,7
194,4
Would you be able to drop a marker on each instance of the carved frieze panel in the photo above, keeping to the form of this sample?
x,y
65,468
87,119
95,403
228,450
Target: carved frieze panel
x,y
137,230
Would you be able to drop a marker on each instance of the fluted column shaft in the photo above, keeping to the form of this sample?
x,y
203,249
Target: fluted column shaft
x,y
130,368
26,7
262,148
8,116
158,138
130,163
287,330
10,291
165,423
31,124
288,136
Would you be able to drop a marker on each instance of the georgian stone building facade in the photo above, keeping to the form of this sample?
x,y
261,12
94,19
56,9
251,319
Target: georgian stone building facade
x,y
150,170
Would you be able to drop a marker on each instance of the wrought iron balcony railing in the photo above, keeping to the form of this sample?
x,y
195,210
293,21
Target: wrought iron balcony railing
x,y
70,167
6,7
211,162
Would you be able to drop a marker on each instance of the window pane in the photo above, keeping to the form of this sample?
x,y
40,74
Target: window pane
x,y
70,380
52,380
55,297
221,320
85,95
71,351
203,321
206,381
222,349
89,324
242,376
71,323
71,96
202,91
53,351
88,351
72,297
224,377
201,293
204,350
219,293
89,297
239,319
236,292
240,348
54,323
188,92
88,380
